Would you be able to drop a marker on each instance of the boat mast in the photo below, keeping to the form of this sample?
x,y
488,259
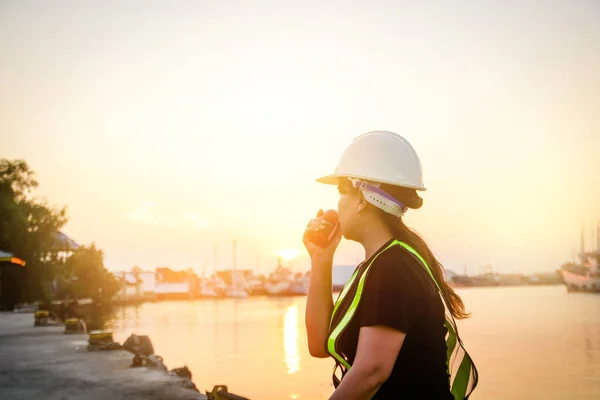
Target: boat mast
x,y
234,277
215,260
582,239
234,255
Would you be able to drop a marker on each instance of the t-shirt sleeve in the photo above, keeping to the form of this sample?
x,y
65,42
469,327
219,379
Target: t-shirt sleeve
x,y
390,296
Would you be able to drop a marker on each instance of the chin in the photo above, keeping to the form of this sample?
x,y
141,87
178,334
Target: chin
x,y
348,236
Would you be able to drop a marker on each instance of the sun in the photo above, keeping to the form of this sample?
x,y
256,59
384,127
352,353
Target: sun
x,y
288,254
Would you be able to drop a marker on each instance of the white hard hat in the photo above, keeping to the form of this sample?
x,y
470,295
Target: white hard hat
x,y
382,157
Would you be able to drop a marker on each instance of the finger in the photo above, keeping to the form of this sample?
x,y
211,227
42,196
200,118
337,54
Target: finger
x,y
318,228
336,237
320,213
321,221
315,223
310,231
314,229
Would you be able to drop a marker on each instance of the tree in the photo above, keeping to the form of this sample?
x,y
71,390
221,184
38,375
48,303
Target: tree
x,y
28,226
16,182
18,177
84,275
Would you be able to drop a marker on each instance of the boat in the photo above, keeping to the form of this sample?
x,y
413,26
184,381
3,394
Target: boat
x,y
236,293
585,275
283,282
255,286
212,288
237,289
300,284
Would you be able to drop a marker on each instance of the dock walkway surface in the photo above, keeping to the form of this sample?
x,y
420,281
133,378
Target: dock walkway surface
x,y
44,363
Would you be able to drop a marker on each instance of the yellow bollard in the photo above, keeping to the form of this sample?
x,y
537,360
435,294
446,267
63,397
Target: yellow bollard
x,y
74,325
41,318
100,337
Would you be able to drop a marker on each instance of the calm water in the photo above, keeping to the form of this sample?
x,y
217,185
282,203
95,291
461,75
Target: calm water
x,y
528,343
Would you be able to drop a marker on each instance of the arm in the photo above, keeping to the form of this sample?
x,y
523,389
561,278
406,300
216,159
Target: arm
x,y
378,348
319,306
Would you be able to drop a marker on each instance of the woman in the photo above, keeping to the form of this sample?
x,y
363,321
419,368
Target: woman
x,y
391,332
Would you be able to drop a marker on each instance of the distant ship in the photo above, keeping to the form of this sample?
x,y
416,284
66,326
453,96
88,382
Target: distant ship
x,y
584,276
237,288
283,282
212,288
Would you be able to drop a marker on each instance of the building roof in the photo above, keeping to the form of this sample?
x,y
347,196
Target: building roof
x,y
6,257
63,243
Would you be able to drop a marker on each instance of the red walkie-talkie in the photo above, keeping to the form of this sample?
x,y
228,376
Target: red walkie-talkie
x,y
324,237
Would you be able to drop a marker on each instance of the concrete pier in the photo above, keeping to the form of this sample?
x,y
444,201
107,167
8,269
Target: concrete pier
x,y
44,363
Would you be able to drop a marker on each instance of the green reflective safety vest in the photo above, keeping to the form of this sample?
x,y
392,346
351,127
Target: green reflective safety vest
x,y
461,369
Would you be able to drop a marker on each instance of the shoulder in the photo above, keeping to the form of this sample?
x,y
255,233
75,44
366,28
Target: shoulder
x,y
395,261
398,268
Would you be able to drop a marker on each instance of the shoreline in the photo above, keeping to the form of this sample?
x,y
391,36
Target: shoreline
x,y
44,362
83,303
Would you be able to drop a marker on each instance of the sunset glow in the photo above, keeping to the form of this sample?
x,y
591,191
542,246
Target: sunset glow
x,y
210,127
288,254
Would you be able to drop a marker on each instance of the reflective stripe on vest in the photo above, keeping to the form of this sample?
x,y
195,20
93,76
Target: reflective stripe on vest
x,y
460,367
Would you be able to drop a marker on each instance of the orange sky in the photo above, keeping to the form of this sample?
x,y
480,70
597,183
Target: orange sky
x,y
168,130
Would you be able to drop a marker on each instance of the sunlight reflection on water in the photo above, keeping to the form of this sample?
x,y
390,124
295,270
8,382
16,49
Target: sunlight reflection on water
x,y
527,343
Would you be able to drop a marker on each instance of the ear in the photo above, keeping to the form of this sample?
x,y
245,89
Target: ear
x,y
362,202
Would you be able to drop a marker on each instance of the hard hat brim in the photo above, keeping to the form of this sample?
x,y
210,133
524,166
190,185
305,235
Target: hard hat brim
x,y
334,179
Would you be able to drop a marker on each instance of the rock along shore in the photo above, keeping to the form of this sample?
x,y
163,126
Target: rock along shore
x,y
44,363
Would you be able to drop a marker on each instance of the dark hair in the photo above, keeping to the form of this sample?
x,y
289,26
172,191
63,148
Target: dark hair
x,y
401,232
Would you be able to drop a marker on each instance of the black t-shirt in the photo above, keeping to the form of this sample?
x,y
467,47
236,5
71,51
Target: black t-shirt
x,y
400,294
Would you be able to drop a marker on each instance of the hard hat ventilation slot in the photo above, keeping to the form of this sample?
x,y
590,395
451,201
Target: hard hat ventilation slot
x,y
379,198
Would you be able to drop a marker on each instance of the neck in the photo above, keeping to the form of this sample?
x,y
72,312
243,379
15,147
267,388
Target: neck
x,y
375,239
